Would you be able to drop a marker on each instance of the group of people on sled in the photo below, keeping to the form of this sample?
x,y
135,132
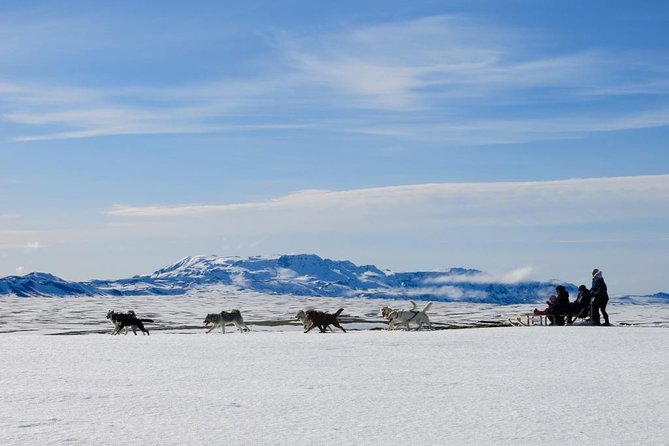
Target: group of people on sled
x,y
588,304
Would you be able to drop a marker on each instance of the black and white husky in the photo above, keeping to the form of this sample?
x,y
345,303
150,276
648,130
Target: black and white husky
x,y
127,320
224,318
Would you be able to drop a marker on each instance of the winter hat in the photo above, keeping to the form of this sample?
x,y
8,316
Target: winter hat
x,y
582,288
596,273
552,299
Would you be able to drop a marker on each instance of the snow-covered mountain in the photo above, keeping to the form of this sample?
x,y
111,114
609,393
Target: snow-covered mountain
x,y
42,284
311,275
301,274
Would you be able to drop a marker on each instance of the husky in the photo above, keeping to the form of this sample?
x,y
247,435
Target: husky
x,y
225,318
127,320
320,319
396,318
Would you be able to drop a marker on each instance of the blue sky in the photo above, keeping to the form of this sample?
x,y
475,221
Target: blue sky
x,y
507,136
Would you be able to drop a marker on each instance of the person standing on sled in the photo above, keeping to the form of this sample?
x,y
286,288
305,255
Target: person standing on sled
x,y
600,297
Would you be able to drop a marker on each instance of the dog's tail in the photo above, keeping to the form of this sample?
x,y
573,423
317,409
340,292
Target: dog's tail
x,y
338,312
427,307
146,320
413,305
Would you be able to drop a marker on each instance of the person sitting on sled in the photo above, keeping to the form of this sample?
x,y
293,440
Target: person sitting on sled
x,y
580,308
550,309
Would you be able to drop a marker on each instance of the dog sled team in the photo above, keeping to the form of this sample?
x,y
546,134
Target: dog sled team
x,y
310,319
588,304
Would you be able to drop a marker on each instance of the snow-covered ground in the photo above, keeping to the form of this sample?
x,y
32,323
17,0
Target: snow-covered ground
x,y
276,385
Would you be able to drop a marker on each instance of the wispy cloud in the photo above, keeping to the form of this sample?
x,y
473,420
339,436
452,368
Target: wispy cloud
x,y
518,130
549,203
425,62
449,78
85,113
25,246
21,239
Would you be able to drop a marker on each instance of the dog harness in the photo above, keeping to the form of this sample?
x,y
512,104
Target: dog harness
x,y
415,313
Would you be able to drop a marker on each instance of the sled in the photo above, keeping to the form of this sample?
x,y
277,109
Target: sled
x,y
528,320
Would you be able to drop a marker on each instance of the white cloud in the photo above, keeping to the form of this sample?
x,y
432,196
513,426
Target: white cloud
x,y
20,270
518,275
21,239
513,204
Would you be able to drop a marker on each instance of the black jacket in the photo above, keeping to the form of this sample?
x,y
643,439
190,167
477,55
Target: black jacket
x,y
562,304
583,299
598,290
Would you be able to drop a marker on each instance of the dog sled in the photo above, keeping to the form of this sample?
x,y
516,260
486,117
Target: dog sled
x,y
528,320
532,319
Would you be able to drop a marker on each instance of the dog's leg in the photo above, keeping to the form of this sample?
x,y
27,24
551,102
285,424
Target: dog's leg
x,y
336,324
311,325
223,328
141,326
212,327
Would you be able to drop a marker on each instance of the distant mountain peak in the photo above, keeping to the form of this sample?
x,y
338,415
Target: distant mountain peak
x,y
295,274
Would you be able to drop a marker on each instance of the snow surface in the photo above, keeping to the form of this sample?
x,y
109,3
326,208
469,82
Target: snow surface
x,y
577,385
276,385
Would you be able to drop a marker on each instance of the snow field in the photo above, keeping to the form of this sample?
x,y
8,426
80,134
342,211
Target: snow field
x,y
541,385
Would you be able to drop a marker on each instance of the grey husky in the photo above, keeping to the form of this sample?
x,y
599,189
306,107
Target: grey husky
x,y
224,318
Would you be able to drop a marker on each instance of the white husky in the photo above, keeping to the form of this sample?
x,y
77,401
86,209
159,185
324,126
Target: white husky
x,y
397,318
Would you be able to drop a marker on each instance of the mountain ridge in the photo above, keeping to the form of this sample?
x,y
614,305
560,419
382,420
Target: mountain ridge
x,y
296,274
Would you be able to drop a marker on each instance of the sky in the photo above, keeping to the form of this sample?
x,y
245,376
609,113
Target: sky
x,y
525,138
